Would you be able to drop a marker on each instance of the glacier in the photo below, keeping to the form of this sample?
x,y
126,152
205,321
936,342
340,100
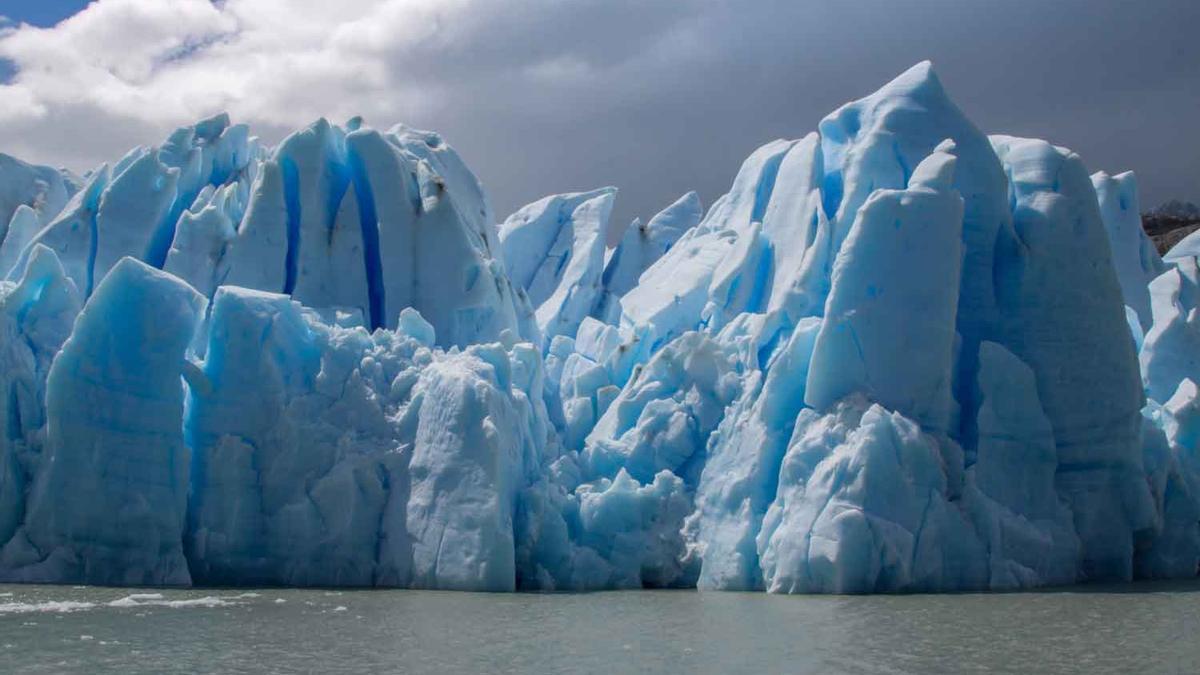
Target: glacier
x,y
898,355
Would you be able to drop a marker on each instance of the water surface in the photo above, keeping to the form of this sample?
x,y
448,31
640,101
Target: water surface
x,y
57,629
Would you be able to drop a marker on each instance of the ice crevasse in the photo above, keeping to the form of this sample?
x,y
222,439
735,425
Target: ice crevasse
x,y
898,355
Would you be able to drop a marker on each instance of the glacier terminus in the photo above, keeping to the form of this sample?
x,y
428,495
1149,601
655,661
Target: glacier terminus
x,y
898,355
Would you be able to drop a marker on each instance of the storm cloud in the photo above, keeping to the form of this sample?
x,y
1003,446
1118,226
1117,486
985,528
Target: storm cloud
x,y
655,97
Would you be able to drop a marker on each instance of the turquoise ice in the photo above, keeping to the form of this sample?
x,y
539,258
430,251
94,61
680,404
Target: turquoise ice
x,y
898,355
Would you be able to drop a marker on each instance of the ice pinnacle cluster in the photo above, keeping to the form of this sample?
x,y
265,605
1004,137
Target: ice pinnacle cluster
x,y
898,355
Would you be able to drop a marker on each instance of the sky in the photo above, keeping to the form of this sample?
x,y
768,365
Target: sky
x,y
656,97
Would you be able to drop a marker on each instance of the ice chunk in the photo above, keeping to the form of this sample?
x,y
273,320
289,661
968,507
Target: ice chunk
x,y
554,250
1188,247
876,142
864,505
663,417
738,283
1011,495
642,245
36,316
202,238
24,225
466,471
751,192
108,505
453,179
889,321
344,279
431,247
330,456
294,461
1063,314
1136,260
41,188
529,235
670,296
797,228
668,225
1170,436
378,223
578,287
415,326
610,533
1171,348
740,476
257,258
72,234
43,305
716,270
133,210
315,180
134,214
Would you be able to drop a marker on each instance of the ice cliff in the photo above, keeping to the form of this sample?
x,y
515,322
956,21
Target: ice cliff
x,y
898,355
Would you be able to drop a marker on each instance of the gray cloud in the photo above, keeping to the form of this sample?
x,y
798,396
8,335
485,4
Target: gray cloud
x,y
655,97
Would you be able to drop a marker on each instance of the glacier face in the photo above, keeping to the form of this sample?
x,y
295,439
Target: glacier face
x,y
898,355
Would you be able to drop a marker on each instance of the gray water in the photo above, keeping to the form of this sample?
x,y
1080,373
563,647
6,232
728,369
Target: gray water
x,y
1128,629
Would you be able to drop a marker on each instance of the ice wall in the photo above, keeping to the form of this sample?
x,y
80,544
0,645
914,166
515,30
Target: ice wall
x,y
898,355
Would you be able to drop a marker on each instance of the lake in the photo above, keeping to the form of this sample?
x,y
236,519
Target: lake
x,y
1145,627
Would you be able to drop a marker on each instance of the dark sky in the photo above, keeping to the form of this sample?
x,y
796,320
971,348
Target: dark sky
x,y
661,97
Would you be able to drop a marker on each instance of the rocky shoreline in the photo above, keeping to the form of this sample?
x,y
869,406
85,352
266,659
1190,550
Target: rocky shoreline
x,y
1166,231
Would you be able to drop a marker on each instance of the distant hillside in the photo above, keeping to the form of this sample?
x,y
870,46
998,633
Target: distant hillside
x,y
1170,223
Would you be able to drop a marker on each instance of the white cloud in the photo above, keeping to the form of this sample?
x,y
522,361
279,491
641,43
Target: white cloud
x,y
130,70
159,63
655,96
